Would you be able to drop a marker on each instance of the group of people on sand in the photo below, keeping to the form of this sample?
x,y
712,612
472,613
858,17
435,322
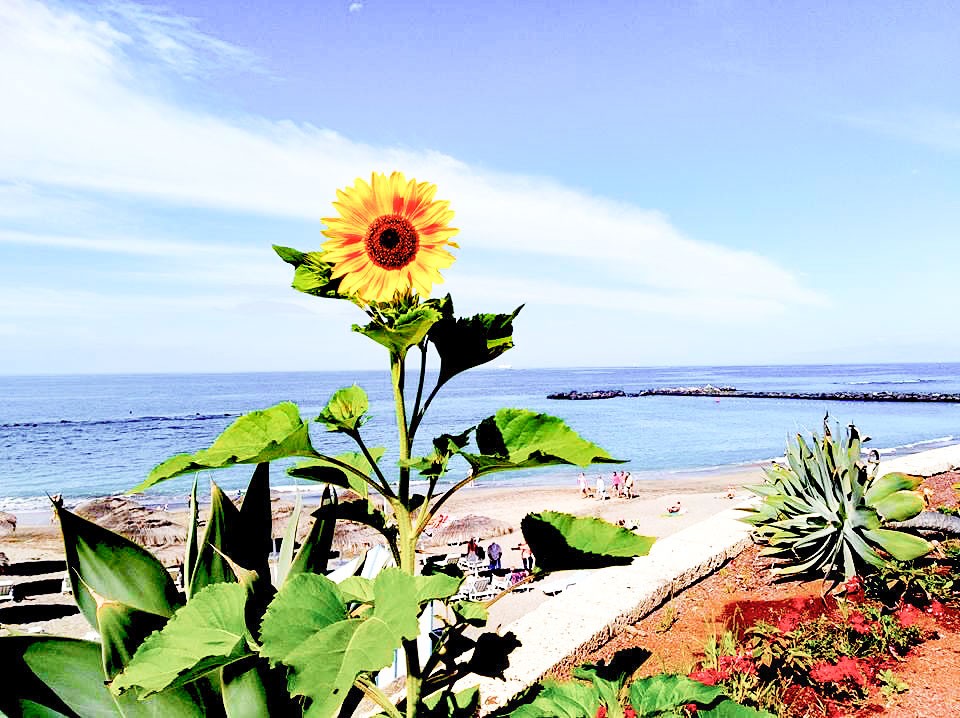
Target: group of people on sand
x,y
621,486
494,554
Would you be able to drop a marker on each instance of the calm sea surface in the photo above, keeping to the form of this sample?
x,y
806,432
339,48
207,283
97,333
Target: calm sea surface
x,y
92,435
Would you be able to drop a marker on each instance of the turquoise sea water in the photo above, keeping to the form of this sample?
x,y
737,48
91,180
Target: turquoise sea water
x,y
92,435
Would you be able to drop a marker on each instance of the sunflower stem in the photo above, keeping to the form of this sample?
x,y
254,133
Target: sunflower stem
x,y
396,373
414,423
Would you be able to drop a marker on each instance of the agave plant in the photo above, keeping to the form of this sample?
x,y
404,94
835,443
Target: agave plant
x,y
826,512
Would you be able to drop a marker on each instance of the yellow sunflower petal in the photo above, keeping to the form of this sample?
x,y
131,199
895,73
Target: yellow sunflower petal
x,y
388,236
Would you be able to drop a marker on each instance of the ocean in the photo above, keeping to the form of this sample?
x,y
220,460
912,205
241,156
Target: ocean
x,y
92,435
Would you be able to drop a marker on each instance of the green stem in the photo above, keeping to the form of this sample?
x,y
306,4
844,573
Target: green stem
x,y
408,564
396,374
384,487
353,470
416,402
417,418
371,691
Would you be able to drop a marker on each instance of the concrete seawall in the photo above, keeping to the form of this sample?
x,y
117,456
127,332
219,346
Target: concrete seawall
x,y
587,614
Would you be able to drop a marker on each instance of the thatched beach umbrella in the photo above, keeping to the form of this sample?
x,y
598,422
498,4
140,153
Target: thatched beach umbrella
x,y
8,524
460,530
147,527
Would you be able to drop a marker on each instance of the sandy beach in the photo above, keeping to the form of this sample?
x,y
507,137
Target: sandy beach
x,y
38,538
700,494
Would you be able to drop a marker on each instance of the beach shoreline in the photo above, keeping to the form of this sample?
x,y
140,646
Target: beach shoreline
x,y
700,497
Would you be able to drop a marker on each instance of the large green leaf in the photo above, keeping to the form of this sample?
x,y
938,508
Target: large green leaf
x,y
243,691
122,629
899,506
304,630
251,543
191,550
657,694
312,273
73,671
570,699
899,544
398,329
562,541
212,565
444,447
346,410
258,437
25,693
520,439
472,612
305,604
888,484
314,553
207,634
466,343
115,569
287,545
446,704
330,471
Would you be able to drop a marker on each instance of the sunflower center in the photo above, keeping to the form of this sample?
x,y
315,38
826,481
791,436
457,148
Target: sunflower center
x,y
391,241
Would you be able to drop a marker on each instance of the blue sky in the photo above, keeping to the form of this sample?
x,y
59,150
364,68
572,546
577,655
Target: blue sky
x,y
660,183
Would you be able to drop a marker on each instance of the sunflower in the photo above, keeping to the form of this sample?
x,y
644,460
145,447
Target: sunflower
x,y
389,237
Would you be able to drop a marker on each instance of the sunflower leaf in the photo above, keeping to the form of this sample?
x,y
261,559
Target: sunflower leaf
x,y
521,439
570,699
466,343
328,471
312,275
444,447
306,628
399,328
562,541
205,635
257,437
346,410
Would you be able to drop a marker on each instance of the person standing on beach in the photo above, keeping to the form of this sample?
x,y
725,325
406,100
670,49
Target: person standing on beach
x,y
628,485
494,552
583,485
616,484
526,556
601,488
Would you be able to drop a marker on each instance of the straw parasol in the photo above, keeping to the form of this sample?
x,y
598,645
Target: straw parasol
x,y
462,529
8,524
147,527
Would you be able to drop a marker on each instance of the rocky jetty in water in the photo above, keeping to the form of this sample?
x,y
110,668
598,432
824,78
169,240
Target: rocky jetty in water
x,y
732,392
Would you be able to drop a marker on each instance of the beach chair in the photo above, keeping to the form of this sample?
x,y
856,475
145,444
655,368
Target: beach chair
x,y
465,589
6,590
482,590
473,566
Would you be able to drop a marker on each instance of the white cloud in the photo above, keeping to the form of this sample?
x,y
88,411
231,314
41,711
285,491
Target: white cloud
x,y
127,245
355,7
920,125
86,116
55,64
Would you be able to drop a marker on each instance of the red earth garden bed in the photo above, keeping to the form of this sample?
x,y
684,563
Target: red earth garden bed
x,y
745,591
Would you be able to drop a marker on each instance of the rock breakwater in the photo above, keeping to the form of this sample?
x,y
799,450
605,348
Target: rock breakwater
x,y
734,393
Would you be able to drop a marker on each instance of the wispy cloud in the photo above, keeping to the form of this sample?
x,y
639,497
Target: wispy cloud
x,y
927,126
85,117
175,40
355,7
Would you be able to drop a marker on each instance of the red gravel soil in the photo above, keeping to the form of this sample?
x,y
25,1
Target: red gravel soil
x,y
744,590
